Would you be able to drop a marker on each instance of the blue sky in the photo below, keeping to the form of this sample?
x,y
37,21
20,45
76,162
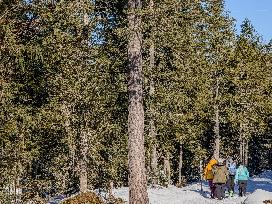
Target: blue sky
x,y
259,12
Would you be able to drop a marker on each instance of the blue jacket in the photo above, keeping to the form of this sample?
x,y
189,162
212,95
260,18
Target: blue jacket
x,y
231,168
242,174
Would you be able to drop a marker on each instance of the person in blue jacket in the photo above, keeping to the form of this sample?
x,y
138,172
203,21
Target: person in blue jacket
x,y
231,165
241,177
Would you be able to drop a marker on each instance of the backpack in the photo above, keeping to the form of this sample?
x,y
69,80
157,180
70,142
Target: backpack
x,y
232,168
220,175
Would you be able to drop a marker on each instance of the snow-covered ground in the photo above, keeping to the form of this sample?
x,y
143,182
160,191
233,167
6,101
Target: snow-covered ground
x,y
259,189
187,195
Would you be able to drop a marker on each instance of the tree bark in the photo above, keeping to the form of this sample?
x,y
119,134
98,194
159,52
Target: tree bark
x,y
136,151
217,123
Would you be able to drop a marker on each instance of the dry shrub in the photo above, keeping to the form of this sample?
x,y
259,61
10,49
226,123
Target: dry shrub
x,y
268,201
183,182
114,200
84,198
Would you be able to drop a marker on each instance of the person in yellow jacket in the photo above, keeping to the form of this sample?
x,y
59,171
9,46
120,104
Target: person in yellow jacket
x,y
208,175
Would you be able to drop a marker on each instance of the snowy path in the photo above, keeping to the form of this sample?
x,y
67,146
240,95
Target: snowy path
x,y
259,189
191,194
188,195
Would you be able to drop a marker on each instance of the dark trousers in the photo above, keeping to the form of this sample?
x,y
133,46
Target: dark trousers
x,y
219,190
230,183
212,188
242,187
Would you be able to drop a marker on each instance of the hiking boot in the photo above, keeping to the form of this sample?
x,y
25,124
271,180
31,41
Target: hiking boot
x,y
226,194
231,194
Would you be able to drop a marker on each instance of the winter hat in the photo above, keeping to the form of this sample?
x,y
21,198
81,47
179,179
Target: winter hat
x,y
240,164
230,160
220,161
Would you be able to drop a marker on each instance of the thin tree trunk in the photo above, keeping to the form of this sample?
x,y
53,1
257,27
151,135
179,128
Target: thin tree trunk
x,y
136,151
241,140
110,189
15,186
217,123
83,173
246,152
154,157
15,177
64,181
167,168
9,188
246,134
180,161
201,174
154,164
152,134
67,113
84,147
243,150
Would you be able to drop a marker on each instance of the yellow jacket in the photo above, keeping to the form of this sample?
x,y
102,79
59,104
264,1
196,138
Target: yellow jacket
x,y
208,174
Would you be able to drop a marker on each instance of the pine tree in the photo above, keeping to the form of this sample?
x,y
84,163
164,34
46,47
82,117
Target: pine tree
x,y
220,38
248,114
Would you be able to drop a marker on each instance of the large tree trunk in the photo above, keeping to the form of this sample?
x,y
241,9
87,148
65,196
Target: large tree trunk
x,y
217,123
83,161
137,175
